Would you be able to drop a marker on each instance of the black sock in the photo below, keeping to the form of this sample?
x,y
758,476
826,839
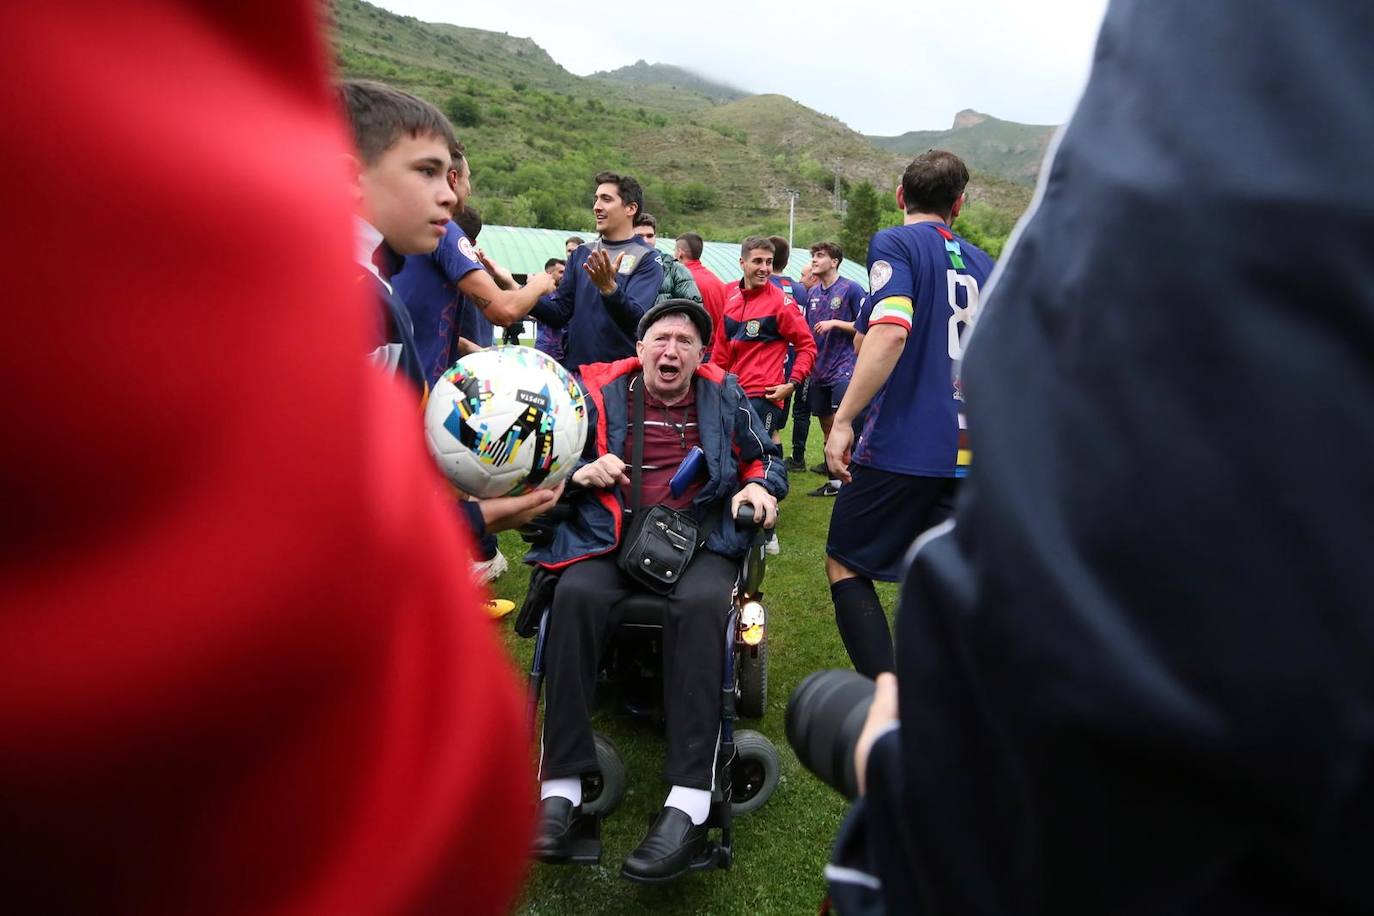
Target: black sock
x,y
863,625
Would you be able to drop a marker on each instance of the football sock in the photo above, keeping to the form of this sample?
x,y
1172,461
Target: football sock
x,y
863,625
569,787
835,482
695,803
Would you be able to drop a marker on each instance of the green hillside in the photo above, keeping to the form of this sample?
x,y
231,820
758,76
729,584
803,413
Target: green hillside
x,y
536,134
1004,148
641,73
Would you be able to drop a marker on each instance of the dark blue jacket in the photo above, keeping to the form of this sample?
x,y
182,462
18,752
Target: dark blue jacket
x,y
602,329
1137,674
738,451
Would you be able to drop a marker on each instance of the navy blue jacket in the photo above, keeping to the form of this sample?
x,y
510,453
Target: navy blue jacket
x,y
602,329
1136,675
738,451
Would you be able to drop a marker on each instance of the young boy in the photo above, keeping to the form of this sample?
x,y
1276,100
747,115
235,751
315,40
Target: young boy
x,y
405,203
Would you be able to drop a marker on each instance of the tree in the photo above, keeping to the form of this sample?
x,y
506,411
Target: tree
x,y
860,222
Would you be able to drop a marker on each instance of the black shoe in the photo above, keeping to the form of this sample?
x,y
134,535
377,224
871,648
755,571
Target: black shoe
x,y
667,850
553,842
825,489
821,469
795,464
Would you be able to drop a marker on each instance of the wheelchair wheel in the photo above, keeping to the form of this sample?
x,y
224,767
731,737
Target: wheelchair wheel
x,y
753,773
603,791
753,681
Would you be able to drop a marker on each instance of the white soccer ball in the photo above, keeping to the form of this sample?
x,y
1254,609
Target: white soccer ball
x,y
505,421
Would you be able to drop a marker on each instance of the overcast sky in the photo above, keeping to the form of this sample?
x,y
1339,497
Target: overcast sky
x,y
881,66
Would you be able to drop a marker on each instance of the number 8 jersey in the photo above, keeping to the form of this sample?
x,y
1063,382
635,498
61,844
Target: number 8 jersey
x,y
928,280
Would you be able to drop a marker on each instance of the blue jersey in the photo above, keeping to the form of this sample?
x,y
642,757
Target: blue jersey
x,y
839,301
928,280
429,285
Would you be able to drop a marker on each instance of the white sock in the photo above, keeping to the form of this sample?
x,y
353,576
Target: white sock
x,y
695,803
835,482
570,787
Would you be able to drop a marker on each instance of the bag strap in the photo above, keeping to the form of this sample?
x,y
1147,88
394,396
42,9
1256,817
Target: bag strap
x,y
637,459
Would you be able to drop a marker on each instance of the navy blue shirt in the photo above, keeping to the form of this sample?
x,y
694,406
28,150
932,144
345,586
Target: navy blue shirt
x,y
429,285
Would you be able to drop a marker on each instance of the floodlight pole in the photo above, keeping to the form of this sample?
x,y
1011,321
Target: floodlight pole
x,y
792,195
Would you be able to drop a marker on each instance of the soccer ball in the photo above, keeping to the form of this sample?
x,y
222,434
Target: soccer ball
x,y
505,421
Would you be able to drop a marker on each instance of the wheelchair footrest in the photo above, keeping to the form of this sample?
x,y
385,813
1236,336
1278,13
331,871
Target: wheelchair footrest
x,y
585,848
713,855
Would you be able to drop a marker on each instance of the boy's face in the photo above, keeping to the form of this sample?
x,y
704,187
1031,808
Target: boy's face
x,y
406,193
757,266
613,216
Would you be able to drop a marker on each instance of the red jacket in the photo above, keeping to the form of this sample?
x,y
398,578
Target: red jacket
x,y
242,668
758,326
712,295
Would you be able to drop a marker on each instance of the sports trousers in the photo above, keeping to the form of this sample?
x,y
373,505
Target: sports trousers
x,y
580,625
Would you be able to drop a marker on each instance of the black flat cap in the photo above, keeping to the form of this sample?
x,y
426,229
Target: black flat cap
x,y
693,310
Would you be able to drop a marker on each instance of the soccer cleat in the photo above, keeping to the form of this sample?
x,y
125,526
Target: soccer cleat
x,y
490,570
826,489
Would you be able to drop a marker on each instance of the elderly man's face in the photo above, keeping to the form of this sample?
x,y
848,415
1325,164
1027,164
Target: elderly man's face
x,y
670,352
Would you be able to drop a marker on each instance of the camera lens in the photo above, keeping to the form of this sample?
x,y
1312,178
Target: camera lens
x,y
824,718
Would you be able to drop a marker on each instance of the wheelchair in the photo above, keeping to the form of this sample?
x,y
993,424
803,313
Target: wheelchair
x,y
748,765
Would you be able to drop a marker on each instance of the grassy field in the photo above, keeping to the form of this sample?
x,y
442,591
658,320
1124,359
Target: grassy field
x,y
781,849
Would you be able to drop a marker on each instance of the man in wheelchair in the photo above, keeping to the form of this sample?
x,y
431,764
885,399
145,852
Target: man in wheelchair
x,y
685,406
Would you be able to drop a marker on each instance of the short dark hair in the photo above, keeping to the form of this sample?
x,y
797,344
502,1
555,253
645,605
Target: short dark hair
x,y
470,221
781,252
933,182
551,262
693,244
575,240
380,114
629,190
831,250
754,243
646,219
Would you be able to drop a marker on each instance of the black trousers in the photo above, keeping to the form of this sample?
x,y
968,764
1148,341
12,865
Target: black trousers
x,y
801,419
580,624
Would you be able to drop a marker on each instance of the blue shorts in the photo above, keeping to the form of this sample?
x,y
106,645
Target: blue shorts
x,y
880,514
824,400
773,416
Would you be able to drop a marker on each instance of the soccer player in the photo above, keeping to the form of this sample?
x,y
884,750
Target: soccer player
x,y
801,412
832,305
687,249
678,282
551,340
925,282
609,284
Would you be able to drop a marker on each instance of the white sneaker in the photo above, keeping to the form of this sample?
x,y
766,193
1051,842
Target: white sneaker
x,y
490,570
771,546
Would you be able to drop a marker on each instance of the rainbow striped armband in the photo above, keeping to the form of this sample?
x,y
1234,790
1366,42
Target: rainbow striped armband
x,y
892,310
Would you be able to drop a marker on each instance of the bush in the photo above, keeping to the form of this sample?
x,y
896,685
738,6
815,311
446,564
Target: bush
x,y
697,197
463,111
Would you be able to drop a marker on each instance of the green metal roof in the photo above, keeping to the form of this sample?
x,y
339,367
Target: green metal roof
x,y
524,251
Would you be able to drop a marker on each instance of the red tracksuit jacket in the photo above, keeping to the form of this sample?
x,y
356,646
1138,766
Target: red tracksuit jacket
x,y
758,326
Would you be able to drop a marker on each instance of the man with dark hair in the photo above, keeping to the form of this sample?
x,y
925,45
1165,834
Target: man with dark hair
x,y
677,280
551,340
760,321
609,284
832,305
903,476
688,249
801,413
572,243
554,267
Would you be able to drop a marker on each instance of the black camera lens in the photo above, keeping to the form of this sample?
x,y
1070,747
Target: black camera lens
x,y
824,718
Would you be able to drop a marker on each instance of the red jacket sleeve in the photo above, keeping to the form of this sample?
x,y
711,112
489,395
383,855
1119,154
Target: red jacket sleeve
x,y
241,667
794,328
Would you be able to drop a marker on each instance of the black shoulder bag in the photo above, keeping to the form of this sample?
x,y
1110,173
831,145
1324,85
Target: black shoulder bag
x,y
659,542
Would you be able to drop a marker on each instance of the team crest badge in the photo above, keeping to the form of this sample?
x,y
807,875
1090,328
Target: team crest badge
x,y
835,302
879,275
466,248
751,328
628,264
